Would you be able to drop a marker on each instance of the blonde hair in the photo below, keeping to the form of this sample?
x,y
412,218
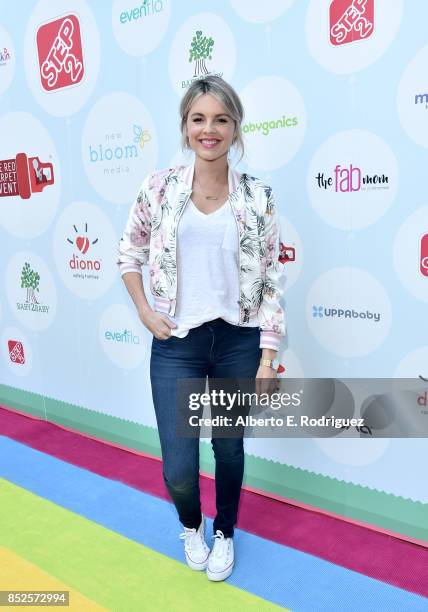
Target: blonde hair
x,y
225,94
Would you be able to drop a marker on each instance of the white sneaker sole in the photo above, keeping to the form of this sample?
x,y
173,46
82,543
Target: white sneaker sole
x,y
198,567
217,576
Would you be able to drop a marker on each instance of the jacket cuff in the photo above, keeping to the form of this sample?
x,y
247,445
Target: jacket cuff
x,y
270,340
129,267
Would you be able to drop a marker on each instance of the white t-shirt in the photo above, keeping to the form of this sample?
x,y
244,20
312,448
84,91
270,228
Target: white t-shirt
x,y
207,268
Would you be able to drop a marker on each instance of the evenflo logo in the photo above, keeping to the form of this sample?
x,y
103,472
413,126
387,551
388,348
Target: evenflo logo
x,y
423,260
24,175
321,312
83,265
350,21
126,336
146,9
348,179
59,47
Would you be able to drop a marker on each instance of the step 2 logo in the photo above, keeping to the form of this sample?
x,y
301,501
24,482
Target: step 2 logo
x,y
24,175
59,47
83,267
423,259
16,351
350,21
350,179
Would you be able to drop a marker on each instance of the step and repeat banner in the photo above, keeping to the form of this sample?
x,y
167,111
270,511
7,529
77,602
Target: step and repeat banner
x,y
336,120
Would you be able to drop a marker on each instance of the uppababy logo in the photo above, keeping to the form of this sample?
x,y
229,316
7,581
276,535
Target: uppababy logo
x,y
322,311
24,175
146,9
272,124
348,179
118,148
200,50
30,281
351,20
59,47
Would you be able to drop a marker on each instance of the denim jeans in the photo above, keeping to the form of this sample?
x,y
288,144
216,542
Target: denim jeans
x,y
215,349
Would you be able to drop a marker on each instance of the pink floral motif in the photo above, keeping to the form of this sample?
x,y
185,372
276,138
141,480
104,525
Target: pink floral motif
x,y
139,237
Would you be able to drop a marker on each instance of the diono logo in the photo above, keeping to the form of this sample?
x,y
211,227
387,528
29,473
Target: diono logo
x,y
350,179
322,311
83,267
423,260
60,52
351,20
24,175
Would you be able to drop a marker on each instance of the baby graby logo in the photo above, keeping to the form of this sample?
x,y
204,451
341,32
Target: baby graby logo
x,y
348,179
4,56
60,53
423,260
16,351
30,280
350,21
82,266
24,176
119,147
321,312
200,51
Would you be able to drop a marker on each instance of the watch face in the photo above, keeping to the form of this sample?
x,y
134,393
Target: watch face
x,y
275,363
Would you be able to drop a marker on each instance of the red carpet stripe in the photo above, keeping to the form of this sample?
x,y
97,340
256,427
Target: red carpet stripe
x,y
391,560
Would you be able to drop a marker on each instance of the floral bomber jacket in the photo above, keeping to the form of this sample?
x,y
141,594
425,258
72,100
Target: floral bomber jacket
x,y
150,237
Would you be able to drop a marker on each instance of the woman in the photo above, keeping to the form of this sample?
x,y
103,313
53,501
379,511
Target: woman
x,y
211,239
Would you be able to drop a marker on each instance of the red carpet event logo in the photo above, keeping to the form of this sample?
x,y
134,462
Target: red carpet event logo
x,y
83,244
423,262
24,175
59,47
286,253
351,20
16,351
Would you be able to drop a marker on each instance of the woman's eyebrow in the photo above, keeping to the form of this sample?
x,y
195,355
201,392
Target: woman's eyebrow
x,y
218,114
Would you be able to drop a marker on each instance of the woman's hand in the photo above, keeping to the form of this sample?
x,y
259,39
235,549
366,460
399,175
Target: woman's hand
x,y
157,323
266,380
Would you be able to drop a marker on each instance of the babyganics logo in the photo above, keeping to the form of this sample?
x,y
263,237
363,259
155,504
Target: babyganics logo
x,y
264,127
82,266
30,281
200,50
24,175
4,56
321,312
117,148
59,47
423,256
350,179
146,9
350,21
16,352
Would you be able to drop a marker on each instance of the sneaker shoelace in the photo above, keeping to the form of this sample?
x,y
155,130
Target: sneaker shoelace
x,y
221,544
191,537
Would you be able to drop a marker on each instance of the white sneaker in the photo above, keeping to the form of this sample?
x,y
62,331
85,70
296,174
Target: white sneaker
x,y
222,558
195,547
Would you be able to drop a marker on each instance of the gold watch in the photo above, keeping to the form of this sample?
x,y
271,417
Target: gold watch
x,y
270,363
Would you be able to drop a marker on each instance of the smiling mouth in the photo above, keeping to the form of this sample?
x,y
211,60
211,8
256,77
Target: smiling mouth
x,y
207,142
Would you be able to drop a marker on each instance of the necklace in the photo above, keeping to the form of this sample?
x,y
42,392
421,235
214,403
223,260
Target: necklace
x,y
207,197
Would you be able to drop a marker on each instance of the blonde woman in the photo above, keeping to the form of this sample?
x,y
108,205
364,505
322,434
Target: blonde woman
x,y
211,239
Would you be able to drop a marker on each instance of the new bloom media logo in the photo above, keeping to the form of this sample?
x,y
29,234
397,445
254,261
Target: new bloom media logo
x,y
4,56
321,312
16,351
117,148
30,280
82,266
59,47
350,21
349,179
200,51
147,8
24,176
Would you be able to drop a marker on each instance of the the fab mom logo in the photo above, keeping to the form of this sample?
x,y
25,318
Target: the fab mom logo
x,y
24,176
82,264
30,280
59,47
200,51
351,178
350,21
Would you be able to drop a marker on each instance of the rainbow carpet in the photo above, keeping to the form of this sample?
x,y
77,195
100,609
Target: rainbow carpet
x,y
79,515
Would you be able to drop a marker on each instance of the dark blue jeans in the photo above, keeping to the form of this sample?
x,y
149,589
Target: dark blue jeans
x,y
218,350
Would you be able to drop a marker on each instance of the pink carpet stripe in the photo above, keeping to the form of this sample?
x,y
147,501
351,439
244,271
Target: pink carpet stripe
x,y
355,547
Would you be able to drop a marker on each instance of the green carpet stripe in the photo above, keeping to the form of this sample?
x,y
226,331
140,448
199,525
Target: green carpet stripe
x,y
110,569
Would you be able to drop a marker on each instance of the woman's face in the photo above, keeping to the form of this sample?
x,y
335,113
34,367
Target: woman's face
x,y
210,129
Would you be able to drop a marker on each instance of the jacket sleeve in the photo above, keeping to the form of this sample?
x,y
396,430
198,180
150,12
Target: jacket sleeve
x,y
271,314
134,246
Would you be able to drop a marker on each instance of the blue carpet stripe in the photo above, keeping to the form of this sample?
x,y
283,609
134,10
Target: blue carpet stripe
x,y
280,574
